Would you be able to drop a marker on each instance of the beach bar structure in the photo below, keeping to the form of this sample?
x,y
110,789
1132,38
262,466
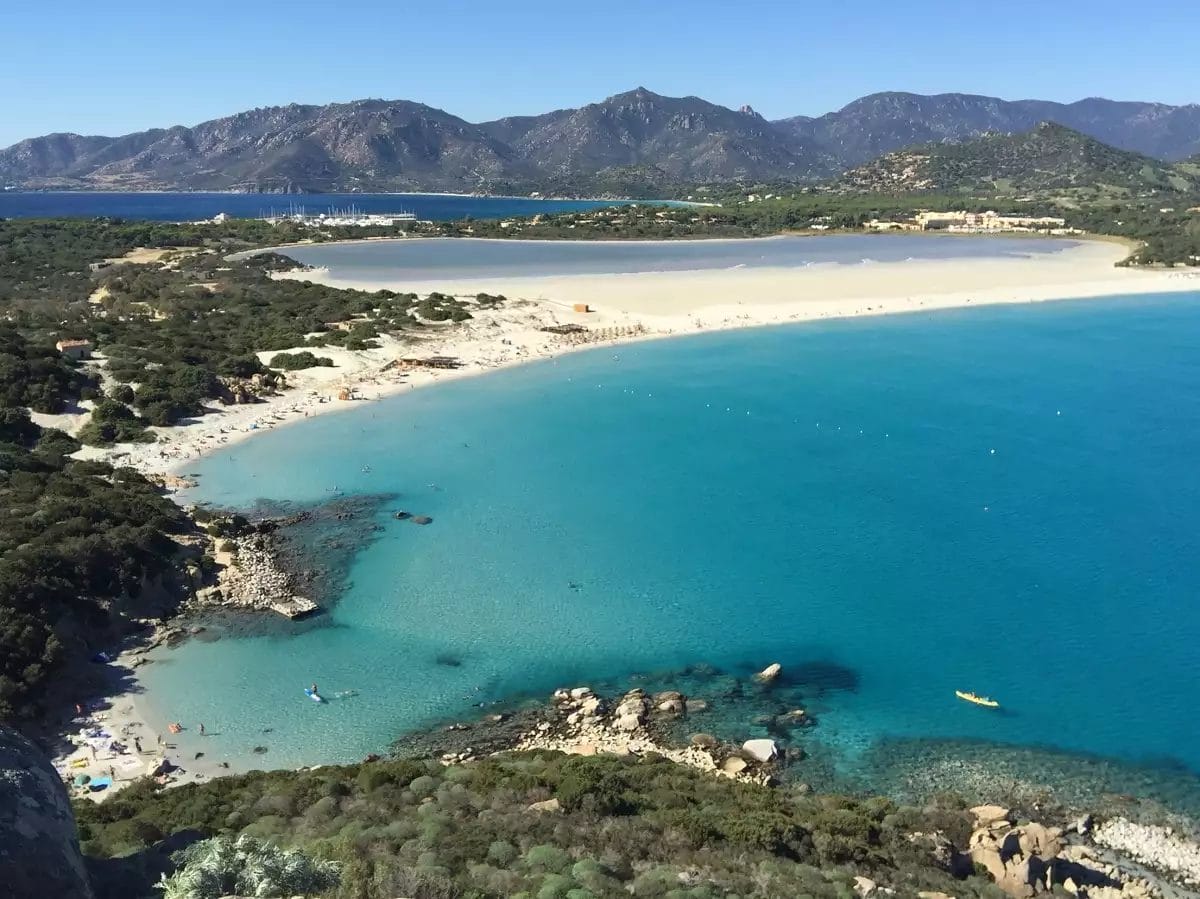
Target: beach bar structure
x,y
411,364
582,307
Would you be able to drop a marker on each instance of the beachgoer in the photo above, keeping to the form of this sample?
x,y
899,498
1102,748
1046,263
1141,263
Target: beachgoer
x,y
112,772
137,745
78,709
313,689
202,729
93,750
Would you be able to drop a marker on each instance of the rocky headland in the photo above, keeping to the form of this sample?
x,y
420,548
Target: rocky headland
x,y
1027,853
285,559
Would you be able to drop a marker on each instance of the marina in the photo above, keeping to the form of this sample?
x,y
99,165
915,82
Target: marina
x,y
350,216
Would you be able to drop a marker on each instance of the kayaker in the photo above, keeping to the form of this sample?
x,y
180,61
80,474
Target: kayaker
x,y
313,689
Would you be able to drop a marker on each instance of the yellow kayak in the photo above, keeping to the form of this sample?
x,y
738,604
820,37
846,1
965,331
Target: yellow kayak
x,y
978,700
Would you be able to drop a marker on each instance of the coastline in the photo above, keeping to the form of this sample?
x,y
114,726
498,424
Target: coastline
x,y
636,307
126,716
373,193
665,304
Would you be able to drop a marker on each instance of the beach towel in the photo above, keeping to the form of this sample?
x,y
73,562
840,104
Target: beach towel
x,y
100,783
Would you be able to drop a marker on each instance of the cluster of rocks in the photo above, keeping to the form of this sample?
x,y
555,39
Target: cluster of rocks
x,y
1027,860
240,391
1159,848
250,578
404,515
583,723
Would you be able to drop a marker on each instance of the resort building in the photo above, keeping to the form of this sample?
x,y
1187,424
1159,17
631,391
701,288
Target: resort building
x,y
985,221
885,225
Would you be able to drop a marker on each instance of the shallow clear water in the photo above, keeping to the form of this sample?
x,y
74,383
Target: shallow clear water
x,y
442,259
998,499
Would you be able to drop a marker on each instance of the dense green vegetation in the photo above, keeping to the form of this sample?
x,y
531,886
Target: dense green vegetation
x,y
179,332
245,866
647,828
299,361
76,538
33,373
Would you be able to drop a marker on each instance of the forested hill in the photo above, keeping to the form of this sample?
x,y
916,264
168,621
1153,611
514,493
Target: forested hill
x,y
636,143
1049,158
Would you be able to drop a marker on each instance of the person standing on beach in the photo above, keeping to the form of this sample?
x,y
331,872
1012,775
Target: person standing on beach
x,y
202,729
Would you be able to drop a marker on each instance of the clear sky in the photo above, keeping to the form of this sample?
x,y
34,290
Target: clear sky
x,y
110,68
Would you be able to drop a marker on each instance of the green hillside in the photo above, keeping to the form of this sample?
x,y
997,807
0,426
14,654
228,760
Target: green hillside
x,y
542,825
1049,159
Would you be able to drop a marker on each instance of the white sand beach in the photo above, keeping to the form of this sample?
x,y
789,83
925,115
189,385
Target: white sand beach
x,y
112,742
642,306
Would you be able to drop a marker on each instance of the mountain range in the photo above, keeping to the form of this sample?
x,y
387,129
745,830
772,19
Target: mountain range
x,y
636,142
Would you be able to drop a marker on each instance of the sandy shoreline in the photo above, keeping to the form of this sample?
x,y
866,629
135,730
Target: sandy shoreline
x,y
115,740
645,306
625,308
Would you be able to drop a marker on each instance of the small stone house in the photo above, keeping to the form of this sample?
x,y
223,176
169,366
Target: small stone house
x,y
75,349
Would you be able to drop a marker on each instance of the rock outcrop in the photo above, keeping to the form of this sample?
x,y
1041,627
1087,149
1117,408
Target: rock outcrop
x,y
253,579
1027,860
769,674
582,723
761,750
39,852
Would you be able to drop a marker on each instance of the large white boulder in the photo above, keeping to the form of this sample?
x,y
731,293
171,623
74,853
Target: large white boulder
x,y
761,750
769,673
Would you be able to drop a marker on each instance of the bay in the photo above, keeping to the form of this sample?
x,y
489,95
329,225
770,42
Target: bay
x,y
996,499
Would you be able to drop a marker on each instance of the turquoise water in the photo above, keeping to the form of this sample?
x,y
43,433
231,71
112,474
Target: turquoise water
x,y
999,499
434,258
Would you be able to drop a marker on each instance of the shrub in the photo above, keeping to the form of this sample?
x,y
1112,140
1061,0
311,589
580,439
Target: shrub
x,y
225,866
502,853
547,858
761,829
298,361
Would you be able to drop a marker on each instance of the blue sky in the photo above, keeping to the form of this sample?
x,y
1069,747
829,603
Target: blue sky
x,y
111,68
